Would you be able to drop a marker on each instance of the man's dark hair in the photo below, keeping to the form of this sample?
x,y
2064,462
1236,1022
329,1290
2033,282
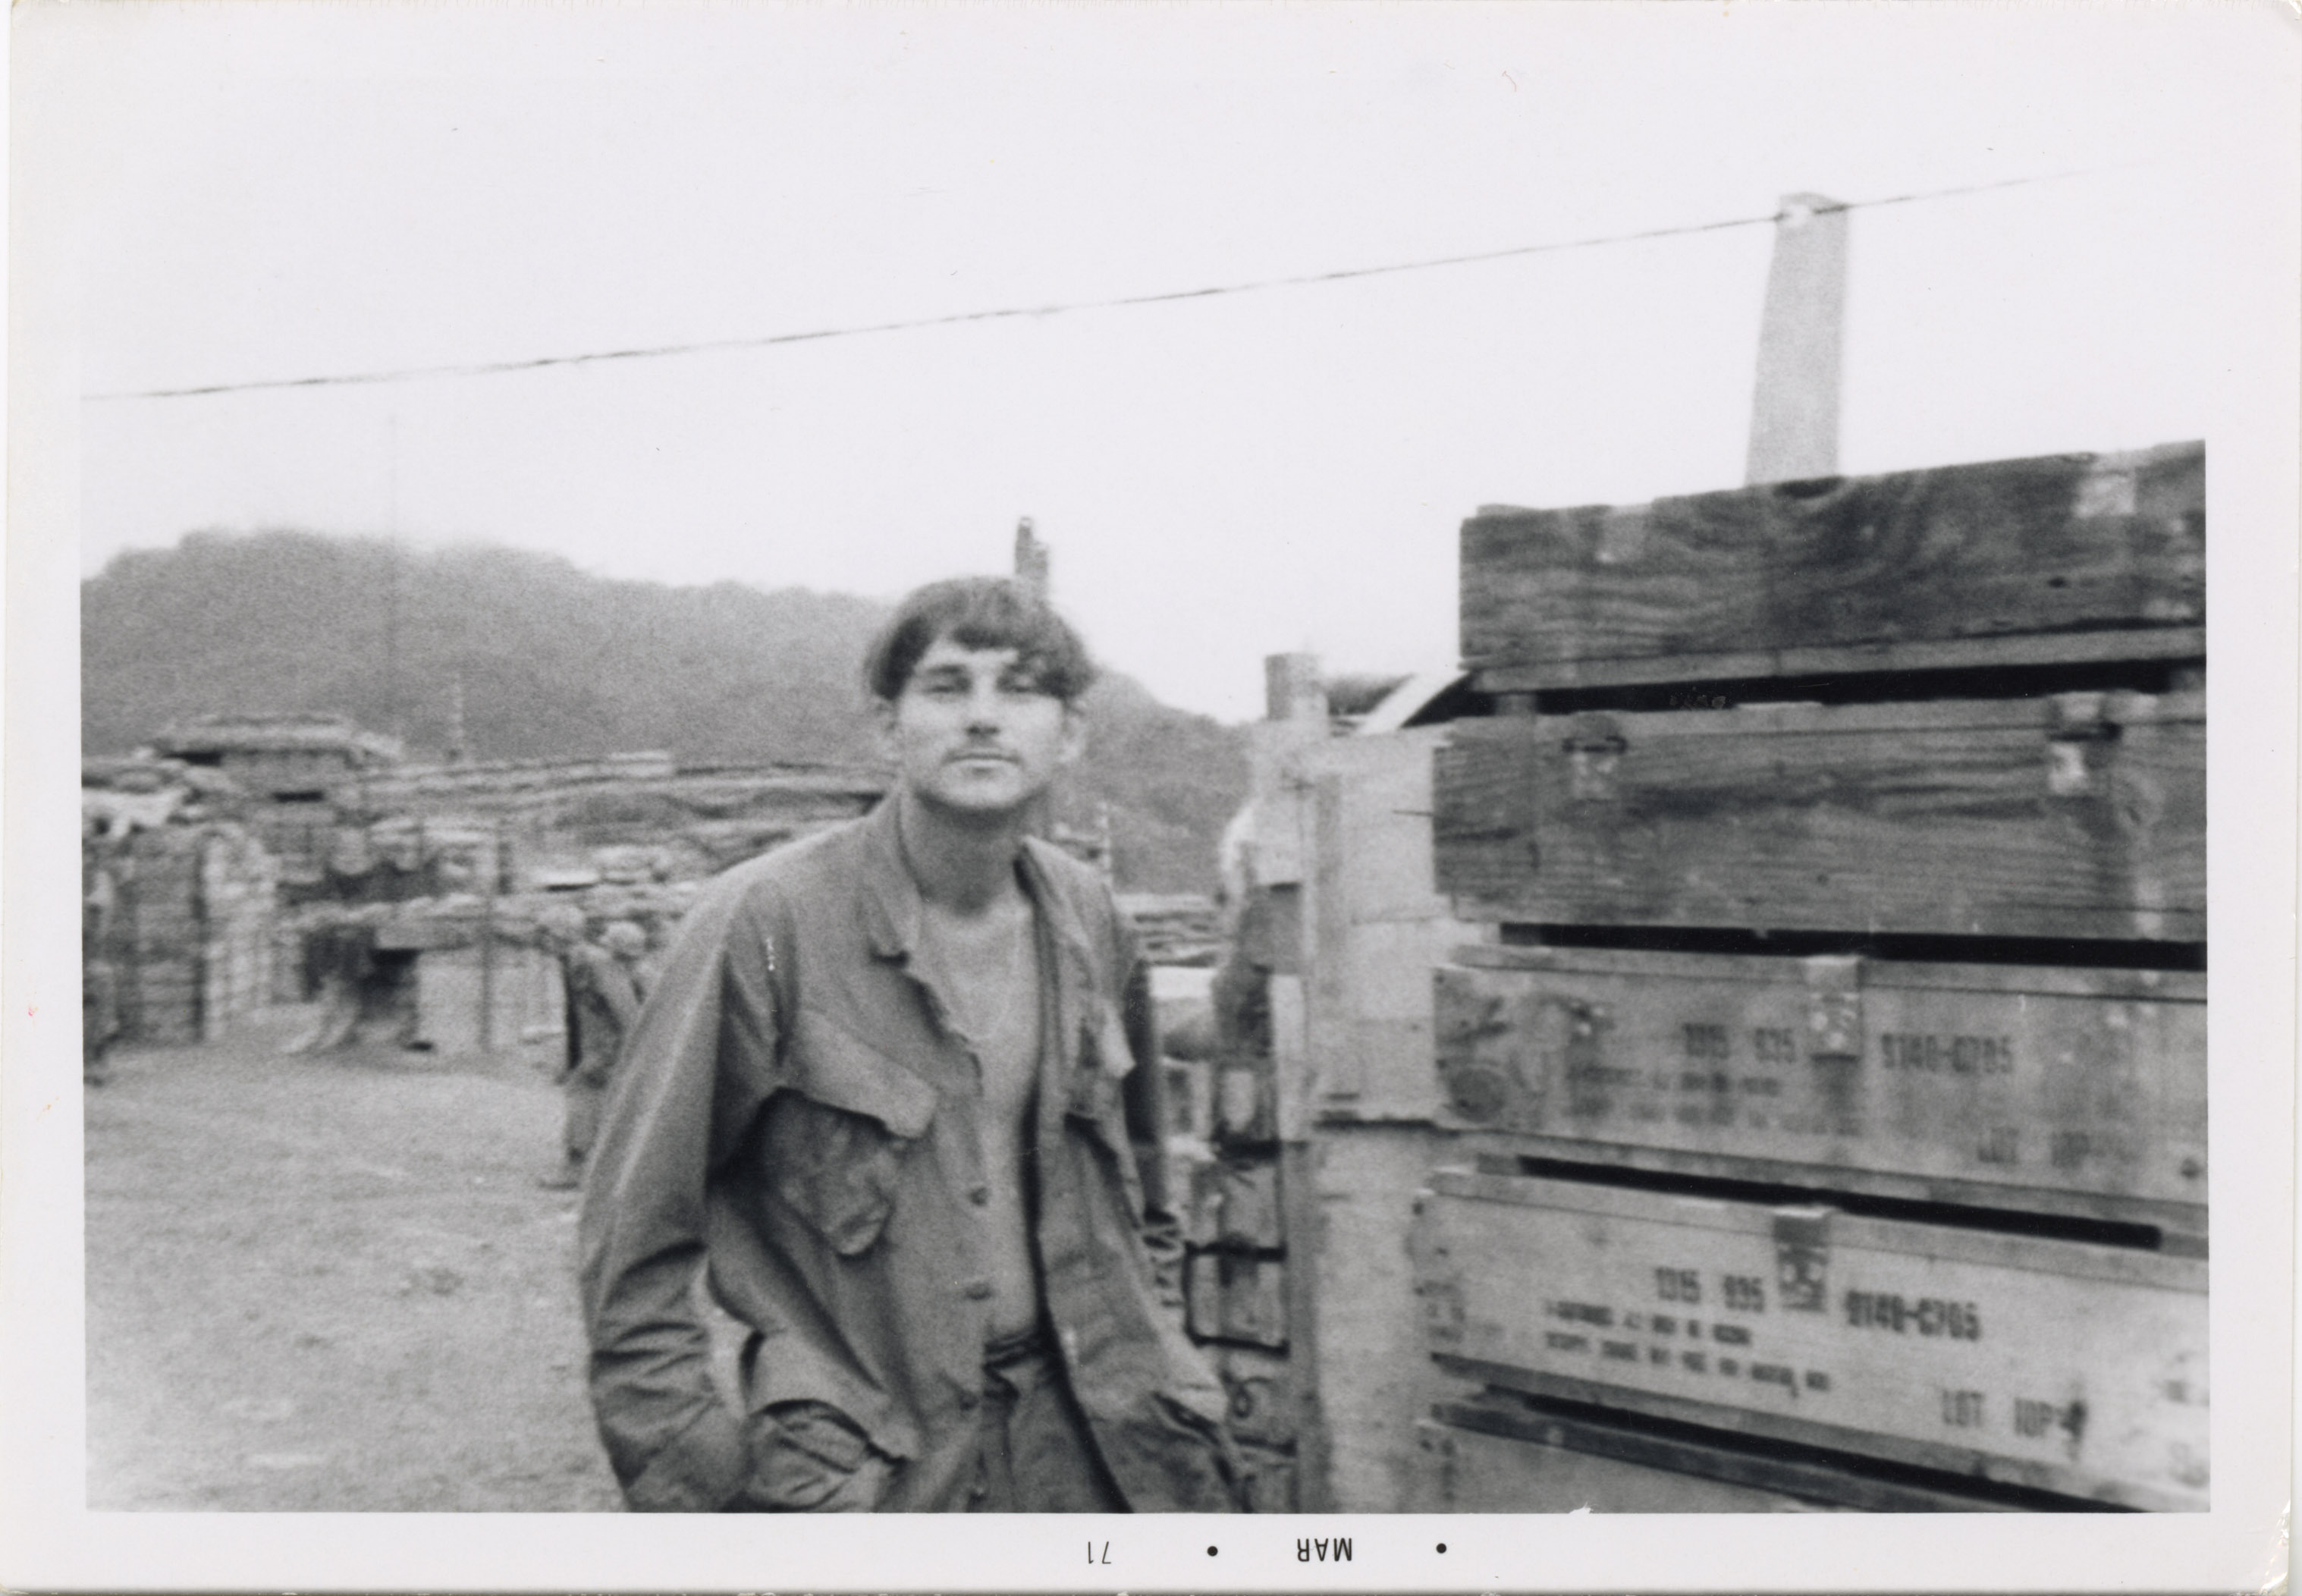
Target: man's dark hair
x,y
979,612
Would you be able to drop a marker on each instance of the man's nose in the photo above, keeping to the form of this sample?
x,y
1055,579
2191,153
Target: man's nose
x,y
984,706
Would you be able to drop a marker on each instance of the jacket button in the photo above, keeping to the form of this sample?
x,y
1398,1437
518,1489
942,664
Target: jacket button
x,y
979,1195
969,1400
978,1289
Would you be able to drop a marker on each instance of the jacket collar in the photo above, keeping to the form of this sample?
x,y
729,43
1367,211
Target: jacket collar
x,y
892,907
891,898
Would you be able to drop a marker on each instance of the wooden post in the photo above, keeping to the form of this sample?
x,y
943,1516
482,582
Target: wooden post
x,y
1293,692
1794,409
1289,840
456,743
1031,558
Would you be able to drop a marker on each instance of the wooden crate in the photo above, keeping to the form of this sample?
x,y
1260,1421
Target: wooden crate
x,y
2080,1092
1237,1298
2081,815
2060,1366
2063,558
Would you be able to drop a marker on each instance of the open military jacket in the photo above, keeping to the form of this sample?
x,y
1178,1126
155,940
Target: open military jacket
x,y
797,1106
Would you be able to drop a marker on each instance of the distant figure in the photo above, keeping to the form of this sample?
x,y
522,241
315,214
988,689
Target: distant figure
x,y
602,980
99,982
342,952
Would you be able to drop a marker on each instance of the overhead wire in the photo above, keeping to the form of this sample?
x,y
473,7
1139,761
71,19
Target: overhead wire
x,y
1010,313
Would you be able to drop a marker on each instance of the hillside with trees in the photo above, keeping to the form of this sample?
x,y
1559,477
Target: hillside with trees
x,y
551,661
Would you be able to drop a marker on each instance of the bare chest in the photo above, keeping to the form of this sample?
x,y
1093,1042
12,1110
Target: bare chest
x,y
988,972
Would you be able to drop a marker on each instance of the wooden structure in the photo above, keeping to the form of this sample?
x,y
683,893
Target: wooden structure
x,y
297,773
562,811
189,933
1321,1102
1798,911
1830,1068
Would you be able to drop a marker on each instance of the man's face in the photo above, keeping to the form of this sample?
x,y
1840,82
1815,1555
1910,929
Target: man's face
x,y
973,732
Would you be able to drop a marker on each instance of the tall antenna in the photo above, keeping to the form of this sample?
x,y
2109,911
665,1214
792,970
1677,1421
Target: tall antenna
x,y
456,720
391,579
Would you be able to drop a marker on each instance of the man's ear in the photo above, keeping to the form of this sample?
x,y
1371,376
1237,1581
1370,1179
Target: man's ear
x,y
883,729
1074,742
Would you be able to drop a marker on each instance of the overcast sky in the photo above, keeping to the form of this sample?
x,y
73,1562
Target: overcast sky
x,y
297,191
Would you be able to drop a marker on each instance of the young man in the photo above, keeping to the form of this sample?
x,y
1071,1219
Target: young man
x,y
891,1090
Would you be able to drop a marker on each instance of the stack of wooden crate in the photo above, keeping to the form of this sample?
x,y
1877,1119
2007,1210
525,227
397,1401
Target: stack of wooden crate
x,y
1833,1078
191,936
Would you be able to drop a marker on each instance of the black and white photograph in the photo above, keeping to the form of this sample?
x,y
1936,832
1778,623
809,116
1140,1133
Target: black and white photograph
x,y
1428,784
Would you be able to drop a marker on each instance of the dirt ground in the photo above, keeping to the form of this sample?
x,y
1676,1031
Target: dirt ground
x,y
332,1283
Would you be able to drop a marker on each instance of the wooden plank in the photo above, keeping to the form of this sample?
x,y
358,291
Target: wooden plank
x,y
2181,1227
1853,659
2081,815
2060,546
1374,1379
1461,1469
1326,952
1293,1065
1915,975
1380,923
1841,1070
1311,1485
1386,820
2055,1364
1495,1455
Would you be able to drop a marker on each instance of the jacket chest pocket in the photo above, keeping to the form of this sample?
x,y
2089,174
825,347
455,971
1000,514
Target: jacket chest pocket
x,y
834,1143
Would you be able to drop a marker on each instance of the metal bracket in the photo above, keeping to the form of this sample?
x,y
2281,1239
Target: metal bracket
x,y
1802,1259
2079,727
1594,745
1833,1005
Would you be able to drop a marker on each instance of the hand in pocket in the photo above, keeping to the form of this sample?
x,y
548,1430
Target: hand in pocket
x,y
809,1458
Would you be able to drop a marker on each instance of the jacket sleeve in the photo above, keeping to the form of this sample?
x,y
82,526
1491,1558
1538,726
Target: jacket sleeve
x,y
1147,1118
696,1069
